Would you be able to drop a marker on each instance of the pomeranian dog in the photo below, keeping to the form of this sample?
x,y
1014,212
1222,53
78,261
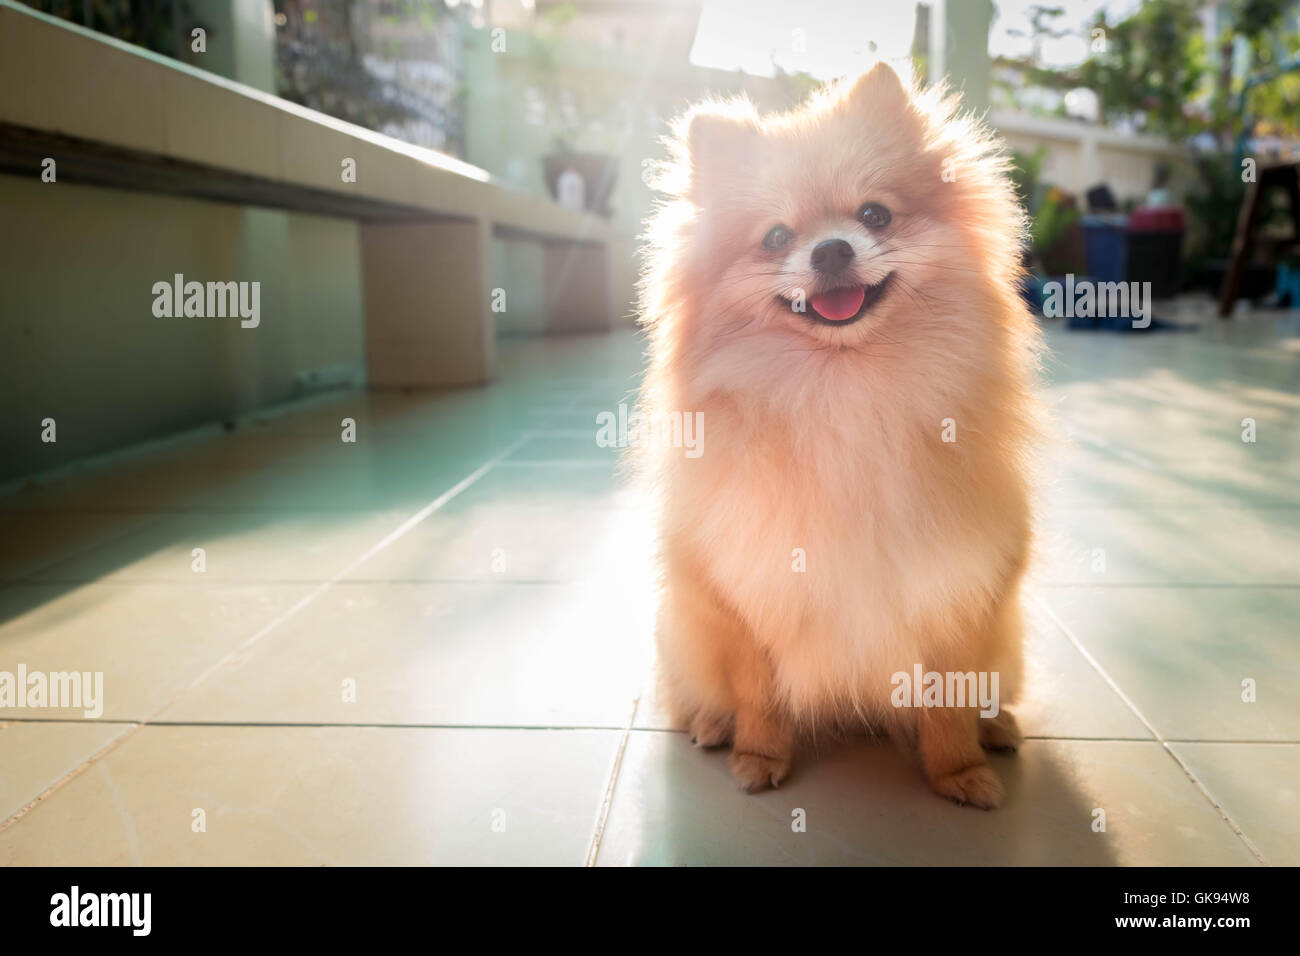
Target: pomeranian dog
x,y
835,291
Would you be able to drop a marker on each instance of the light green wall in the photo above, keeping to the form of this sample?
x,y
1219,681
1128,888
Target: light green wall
x,y
240,40
82,344
518,267
498,140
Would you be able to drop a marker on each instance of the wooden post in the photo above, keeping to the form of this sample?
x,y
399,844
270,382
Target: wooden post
x,y
1288,178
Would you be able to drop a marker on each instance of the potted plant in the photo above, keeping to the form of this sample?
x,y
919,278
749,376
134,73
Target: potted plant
x,y
1057,238
581,112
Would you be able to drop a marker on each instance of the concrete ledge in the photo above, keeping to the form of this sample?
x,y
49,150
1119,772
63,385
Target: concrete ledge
x,y
91,88
112,114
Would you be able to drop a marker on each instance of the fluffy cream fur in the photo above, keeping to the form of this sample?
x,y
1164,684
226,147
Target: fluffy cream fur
x,y
827,440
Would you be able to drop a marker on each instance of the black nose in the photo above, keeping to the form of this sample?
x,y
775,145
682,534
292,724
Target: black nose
x,y
831,256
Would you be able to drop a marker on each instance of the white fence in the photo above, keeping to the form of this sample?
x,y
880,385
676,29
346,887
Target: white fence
x,y
1080,156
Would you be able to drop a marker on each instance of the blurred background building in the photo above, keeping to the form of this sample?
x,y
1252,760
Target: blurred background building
x,y
1166,95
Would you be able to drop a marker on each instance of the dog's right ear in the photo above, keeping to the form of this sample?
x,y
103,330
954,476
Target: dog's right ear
x,y
879,88
720,142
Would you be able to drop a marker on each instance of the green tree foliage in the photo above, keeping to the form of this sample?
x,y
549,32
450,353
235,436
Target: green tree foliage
x,y
1151,68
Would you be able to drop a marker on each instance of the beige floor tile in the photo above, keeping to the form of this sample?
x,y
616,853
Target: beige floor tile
x,y
172,475
1186,546
310,796
148,641
406,453
1064,695
1088,477
149,485
1181,655
1258,785
519,538
565,444
1170,440
33,540
340,477
589,485
261,547
470,654
35,756
864,803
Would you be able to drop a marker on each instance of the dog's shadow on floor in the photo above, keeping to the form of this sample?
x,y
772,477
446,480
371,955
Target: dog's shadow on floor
x,y
862,801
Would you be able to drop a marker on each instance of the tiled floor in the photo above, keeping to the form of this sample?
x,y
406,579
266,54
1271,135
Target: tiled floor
x,y
433,645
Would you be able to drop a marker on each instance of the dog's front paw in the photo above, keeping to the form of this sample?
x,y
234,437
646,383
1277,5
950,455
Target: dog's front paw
x,y
756,772
1000,732
709,729
977,786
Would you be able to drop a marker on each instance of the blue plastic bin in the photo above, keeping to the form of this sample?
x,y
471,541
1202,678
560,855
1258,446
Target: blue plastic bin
x,y
1288,286
1105,246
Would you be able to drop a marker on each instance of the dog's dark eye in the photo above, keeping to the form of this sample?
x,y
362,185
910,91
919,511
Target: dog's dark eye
x,y
874,216
778,237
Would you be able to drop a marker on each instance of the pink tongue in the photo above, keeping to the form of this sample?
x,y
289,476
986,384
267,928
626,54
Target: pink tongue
x,y
839,304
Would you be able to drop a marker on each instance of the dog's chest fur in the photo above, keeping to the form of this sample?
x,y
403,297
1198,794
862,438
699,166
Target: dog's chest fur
x,y
842,542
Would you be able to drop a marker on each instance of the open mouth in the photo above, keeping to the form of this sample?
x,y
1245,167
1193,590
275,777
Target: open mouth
x,y
845,305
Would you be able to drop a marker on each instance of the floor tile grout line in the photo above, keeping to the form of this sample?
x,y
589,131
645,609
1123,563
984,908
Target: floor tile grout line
x,y
1161,505
72,774
603,461
185,582
1163,586
607,798
326,724
246,645
610,728
1155,733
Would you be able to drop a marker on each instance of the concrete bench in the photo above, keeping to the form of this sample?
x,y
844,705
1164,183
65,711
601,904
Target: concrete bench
x,y
116,115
